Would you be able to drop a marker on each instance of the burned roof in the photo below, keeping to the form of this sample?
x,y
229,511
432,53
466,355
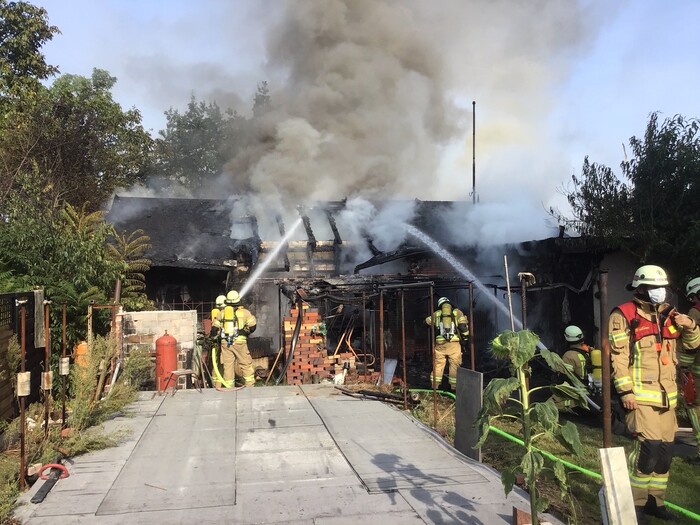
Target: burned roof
x,y
186,233
214,234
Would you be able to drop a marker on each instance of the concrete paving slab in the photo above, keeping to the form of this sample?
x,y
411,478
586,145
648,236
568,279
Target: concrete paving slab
x,y
277,455
406,459
185,458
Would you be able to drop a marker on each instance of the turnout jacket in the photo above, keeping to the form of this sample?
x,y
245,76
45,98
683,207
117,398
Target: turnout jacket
x,y
644,355
578,356
449,327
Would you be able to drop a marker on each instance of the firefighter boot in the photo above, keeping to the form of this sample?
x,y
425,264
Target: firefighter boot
x,y
659,512
641,515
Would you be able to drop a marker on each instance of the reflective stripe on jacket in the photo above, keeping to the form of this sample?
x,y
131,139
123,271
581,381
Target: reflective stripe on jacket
x,y
649,371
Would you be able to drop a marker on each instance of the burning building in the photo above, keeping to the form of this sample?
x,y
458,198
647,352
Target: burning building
x,y
371,286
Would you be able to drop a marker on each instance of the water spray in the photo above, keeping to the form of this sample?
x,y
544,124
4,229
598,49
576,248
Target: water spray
x,y
439,250
270,257
447,256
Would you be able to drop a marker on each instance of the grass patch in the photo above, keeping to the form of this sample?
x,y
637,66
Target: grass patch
x,y
581,505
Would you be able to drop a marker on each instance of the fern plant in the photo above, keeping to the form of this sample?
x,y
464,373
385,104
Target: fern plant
x,y
511,398
131,249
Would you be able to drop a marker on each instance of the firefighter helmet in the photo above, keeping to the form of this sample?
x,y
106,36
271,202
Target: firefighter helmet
x,y
573,334
233,297
693,287
220,301
650,275
442,301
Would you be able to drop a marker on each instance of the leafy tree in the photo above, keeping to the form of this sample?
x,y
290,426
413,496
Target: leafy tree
x,y
64,251
80,142
261,103
195,145
24,29
652,210
537,419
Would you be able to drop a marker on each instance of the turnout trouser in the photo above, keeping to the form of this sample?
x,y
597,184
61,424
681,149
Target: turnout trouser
x,y
236,357
452,354
654,429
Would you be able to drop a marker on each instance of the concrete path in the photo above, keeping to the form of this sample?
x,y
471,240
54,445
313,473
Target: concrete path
x,y
284,455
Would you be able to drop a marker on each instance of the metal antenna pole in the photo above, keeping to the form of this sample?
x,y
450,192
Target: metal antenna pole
x,y
474,152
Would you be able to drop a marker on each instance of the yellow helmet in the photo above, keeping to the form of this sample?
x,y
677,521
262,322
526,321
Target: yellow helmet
x,y
573,334
649,274
220,300
693,287
233,297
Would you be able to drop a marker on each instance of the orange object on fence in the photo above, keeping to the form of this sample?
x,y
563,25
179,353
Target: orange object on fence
x,y
82,356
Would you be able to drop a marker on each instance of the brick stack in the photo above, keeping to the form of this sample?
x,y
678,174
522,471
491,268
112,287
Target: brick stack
x,y
310,355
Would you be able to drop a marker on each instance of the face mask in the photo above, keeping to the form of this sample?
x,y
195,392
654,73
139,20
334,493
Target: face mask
x,y
657,295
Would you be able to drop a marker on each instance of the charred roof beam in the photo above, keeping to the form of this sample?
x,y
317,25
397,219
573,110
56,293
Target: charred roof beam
x,y
337,241
285,247
307,226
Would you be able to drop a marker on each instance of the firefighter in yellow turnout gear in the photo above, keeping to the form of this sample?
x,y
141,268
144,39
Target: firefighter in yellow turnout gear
x,y
645,334
214,332
236,324
451,327
689,361
585,365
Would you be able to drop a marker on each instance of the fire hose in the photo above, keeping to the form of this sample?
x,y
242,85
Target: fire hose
x,y
295,339
217,374
572,466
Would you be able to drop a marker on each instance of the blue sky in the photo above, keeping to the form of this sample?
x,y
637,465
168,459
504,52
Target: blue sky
x,y
554,80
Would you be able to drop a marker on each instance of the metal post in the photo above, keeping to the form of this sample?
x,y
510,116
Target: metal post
x,y
63,377
403,352
47,365
364,333
432,353
510,301
381,337
89,325
22,415
523,297
281,320
605,343
471,327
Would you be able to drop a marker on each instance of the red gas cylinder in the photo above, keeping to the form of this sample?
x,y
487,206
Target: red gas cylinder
x,y
166,361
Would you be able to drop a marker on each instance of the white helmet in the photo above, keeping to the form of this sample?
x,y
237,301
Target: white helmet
x,y
442,301
693,287
573,334
649,274
220,300
233,297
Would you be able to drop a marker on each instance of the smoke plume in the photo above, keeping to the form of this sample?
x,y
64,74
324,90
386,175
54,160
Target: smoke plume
x,y
372,99
362,109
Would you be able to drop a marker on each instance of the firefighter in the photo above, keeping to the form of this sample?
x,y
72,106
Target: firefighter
x,y
213,339
216,314
689,361
644,334
237,323
584,362
451,330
